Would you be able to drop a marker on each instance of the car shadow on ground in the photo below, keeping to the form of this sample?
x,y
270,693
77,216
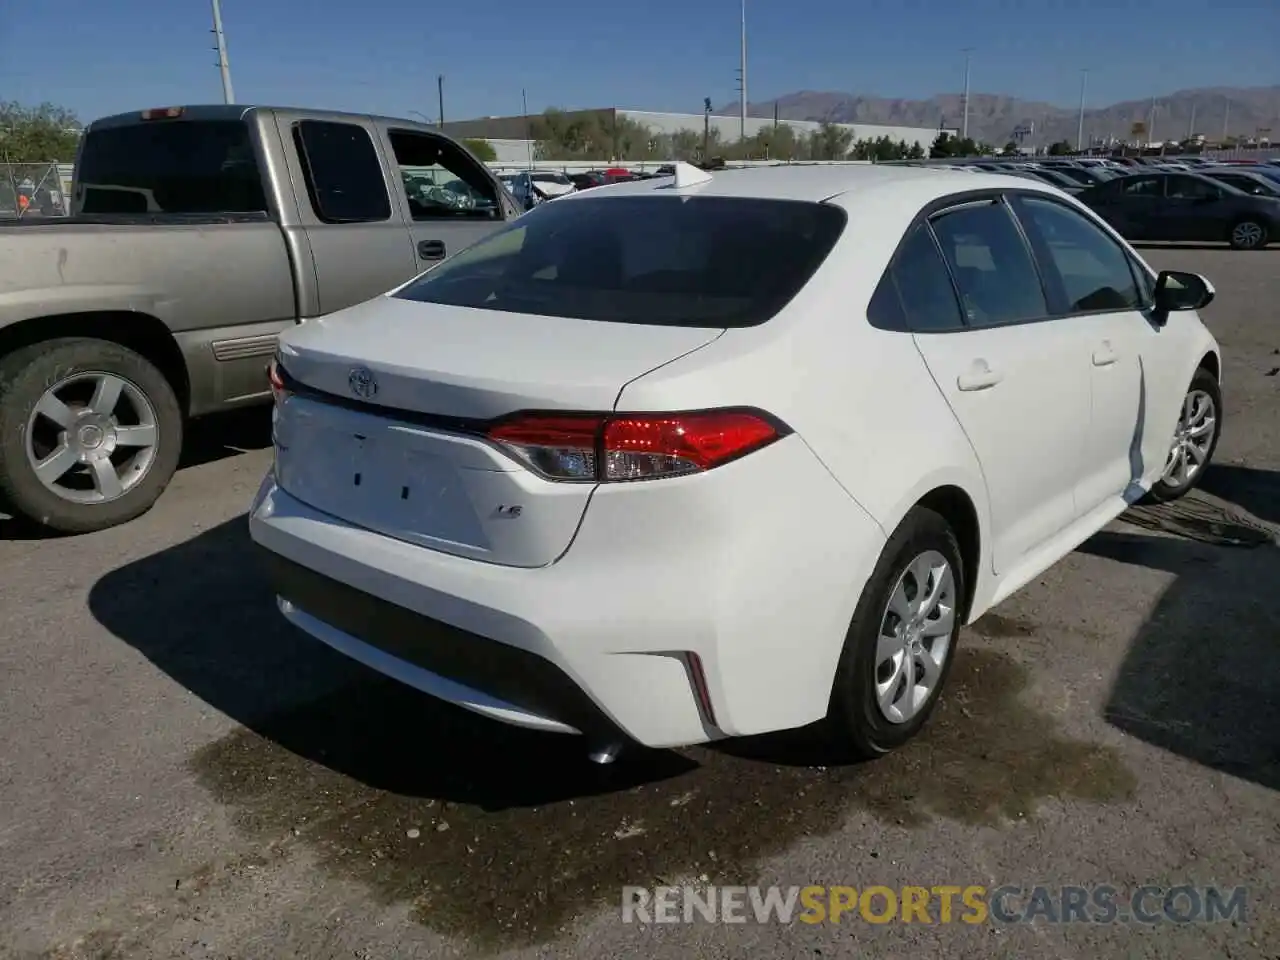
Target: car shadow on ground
x,y
1202,677
224,435
492,833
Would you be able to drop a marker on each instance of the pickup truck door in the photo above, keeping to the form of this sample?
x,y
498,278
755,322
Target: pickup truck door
x,y
448,198
347,220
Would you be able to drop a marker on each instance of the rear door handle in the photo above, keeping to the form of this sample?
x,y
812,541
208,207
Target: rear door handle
x,y
1105,356
431,250
979,377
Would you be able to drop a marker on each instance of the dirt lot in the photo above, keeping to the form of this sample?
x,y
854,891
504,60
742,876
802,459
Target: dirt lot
x,y
182,776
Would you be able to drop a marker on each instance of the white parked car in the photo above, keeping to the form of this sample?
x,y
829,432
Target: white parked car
x,y
692,458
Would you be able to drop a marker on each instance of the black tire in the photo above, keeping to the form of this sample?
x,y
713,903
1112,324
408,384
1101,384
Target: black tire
x,y
855,719
1164,492
1264,235
25,375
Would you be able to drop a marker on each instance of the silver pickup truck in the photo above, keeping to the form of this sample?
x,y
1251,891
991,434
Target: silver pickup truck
x,y
197,234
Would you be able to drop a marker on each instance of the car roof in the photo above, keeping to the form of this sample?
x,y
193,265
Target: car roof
x,y
818,182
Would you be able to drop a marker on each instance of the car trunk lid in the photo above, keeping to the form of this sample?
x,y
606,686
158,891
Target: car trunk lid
x,y
384,426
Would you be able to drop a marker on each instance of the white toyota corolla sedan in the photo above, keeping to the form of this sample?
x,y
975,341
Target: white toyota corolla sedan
x,y
719,454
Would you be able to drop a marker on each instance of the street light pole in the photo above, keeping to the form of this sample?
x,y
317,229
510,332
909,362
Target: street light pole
x,y
440,95
742,122
221,40
528,127
1084,84
964,124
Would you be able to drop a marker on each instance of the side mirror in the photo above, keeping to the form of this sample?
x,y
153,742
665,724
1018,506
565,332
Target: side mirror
x,y
1177,290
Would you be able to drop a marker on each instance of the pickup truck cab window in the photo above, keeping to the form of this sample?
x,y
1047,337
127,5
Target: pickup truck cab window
x,y
440,181
343,173
171,166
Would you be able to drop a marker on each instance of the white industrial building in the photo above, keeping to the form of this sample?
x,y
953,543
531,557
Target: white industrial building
x,y
730,127
509,136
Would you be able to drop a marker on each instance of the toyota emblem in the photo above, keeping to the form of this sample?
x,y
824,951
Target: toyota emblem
x,y
362,383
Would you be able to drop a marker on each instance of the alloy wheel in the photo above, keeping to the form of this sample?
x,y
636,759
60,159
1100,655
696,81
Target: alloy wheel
x,y
92,437
915,638
1192,439
1247,234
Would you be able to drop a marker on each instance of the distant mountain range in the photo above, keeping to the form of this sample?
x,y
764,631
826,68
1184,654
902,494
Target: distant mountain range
x,y
994,117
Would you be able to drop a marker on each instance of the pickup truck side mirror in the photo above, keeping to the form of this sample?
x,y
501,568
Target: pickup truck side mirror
x,y
1178,290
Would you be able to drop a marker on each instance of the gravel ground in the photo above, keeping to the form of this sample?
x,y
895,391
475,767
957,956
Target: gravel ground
x,y
182,776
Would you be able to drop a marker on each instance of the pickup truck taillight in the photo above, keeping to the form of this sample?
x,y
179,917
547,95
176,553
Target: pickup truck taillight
x,y
634,446
279,391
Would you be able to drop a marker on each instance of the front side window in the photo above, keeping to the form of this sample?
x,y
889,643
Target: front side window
x,y
994,273
1094,271
440,181
651,259
1249,185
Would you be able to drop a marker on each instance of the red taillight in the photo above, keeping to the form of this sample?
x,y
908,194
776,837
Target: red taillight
x,y
279,390
162,113
633,446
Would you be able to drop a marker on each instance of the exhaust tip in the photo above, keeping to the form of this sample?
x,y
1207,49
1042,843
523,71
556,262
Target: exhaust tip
x,y
605,754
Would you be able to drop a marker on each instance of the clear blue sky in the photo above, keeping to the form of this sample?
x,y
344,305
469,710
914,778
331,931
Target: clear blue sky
x,y
106,56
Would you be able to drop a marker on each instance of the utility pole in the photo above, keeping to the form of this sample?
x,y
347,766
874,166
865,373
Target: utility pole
x,y
1084,83
964,124
528,129
742,82
440,97
706,130
1226,119
220,39
1191,124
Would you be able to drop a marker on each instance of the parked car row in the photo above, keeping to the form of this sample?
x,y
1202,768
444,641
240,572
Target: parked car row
x,y
1153,199
532,187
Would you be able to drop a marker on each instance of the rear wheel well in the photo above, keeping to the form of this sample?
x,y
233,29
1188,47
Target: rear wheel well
x,y
139,332
1212,364
955,506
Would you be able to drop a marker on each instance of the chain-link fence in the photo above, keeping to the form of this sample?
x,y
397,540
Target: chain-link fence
x,y
34,190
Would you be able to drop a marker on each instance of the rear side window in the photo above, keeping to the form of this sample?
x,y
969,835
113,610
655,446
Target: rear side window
x,y
343,173
651,259
170,166
924,286
1147,187
995,275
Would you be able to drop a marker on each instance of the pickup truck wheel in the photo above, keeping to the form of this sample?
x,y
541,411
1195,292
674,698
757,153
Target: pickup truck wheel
x,y
90,434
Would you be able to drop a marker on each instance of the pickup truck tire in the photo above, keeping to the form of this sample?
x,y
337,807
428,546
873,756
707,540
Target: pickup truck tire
x,y
102,423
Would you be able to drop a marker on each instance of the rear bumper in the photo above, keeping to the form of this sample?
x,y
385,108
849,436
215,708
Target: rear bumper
x,y
756,569
500,680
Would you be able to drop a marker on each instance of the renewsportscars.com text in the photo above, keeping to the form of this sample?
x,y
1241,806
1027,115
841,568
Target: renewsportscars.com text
x,y
941,904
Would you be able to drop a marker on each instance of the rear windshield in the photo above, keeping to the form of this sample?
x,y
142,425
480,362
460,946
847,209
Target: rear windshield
x,y
679,261
170,166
